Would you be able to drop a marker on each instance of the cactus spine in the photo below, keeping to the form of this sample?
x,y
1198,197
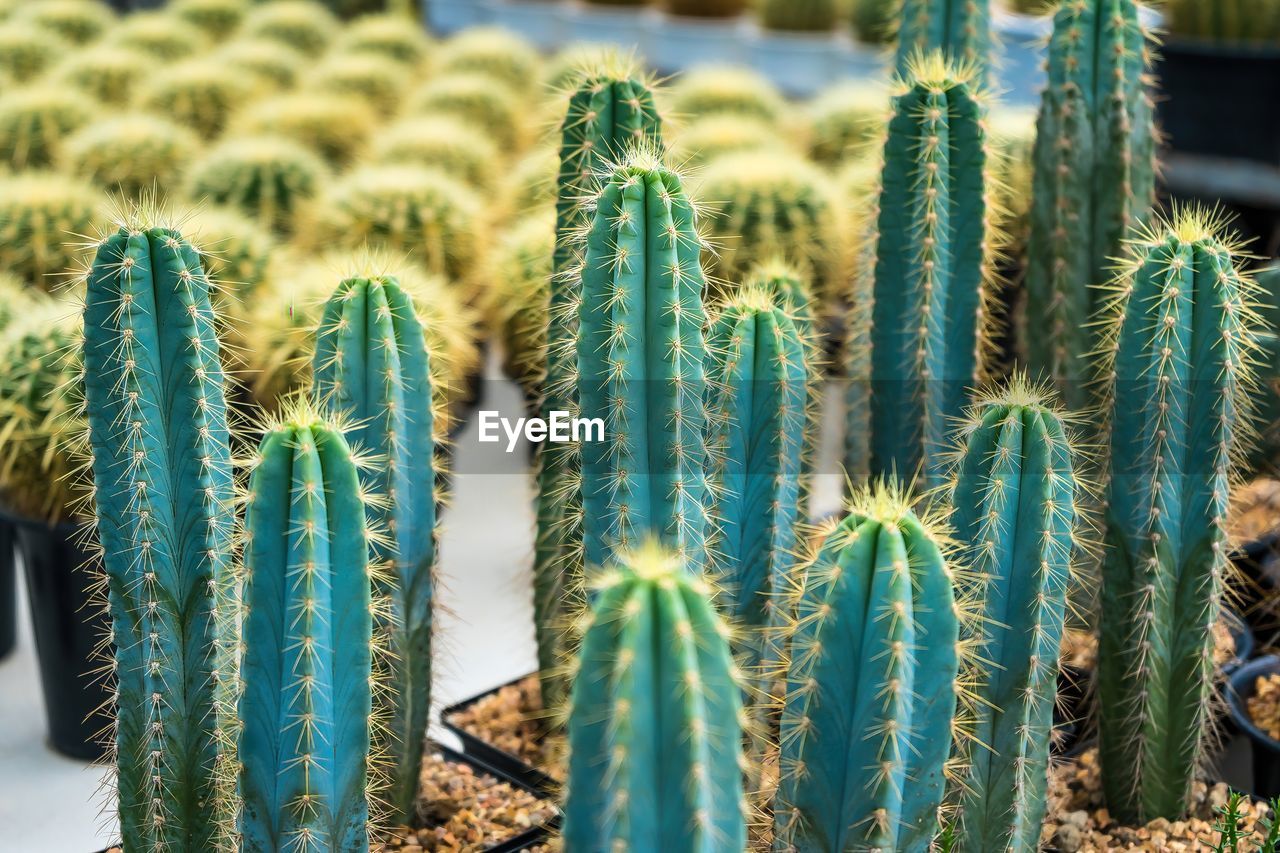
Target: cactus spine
x,y
371,365
655,721
1094,178
1178,344
1014,512
961,29
927,328
875,657
307,697
641,366
610,109
164,498
756,419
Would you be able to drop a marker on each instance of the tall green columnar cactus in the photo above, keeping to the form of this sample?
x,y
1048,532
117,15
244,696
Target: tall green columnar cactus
x,y
756,415
1014,499
1094,179
611,109
371,365
307,702
1179,339
655,718
871,684
164,497
927,328
961,29
641,367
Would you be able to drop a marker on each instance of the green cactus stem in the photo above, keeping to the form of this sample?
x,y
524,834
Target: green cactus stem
x,y
306,710
157,414
933,274
655,719
875,659
758,400
961,29
1014,500
1094,179
1175,366
641,367
372,367
610,109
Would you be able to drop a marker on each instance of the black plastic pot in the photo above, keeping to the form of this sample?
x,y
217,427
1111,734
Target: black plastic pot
x,y
1213,96
8,588
68,630
1243,638
1258,564
500,762
1265,749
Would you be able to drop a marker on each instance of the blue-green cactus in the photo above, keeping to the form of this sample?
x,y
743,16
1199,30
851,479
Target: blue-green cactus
x,y
641,367
655,719
933,273
1014,502
757,401
610,110
875,661
307,703
1175,366
164,501
1094,179
372,366
961,29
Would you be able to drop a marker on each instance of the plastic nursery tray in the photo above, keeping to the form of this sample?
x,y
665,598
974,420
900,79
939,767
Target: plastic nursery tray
x,y
498,761
514,844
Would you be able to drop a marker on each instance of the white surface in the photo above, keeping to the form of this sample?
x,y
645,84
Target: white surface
x,y
50,804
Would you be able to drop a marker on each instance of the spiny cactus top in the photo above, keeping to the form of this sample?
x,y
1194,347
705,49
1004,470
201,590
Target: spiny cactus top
x,y
372,366
655,719
1177,385
305,715
933,273
1014,500
1094,179
163,497
875,656
641,366
961,29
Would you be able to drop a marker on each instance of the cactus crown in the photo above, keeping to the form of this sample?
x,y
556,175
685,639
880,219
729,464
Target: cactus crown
x,y
36,120
131,154
301,24
77,21
385,35
473,98
274,65
43,217
25,52
496,53
333,126
218,18
158,36
712,90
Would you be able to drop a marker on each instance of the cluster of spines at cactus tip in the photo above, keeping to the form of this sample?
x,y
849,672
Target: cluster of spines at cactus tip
x,y
1094,179
878,649
164,493
372,366
311,738
1014,498
641,365
656,721
929,327
1175,367
610,109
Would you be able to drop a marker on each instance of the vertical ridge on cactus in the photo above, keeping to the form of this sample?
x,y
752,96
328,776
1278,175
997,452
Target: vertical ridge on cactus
x,y
757,390
1013,502
372,366
307,702
1175,368
960,29
655,725
928,329
158,435
1094,178
641,367
875,656
610,109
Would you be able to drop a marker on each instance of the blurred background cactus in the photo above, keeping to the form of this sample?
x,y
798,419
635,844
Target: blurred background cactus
x,y
1227,20
131,154
267,178
41,214
960,29
799,15
35,122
